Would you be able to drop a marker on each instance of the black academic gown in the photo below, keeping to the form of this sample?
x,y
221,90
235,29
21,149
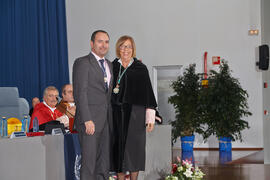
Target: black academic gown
x,y
129,105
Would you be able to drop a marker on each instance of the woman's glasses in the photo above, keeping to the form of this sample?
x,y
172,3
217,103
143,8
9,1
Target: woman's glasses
x,y
122,47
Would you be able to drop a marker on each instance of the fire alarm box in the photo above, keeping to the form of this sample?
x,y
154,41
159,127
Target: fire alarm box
x,y
205,82
216,60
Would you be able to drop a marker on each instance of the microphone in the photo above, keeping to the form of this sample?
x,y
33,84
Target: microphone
x,y
58,99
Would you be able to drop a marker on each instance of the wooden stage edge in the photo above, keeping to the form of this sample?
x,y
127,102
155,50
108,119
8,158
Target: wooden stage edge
x,y
216,149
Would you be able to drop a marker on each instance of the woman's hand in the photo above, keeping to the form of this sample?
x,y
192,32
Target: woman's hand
x,y
150,127
150,119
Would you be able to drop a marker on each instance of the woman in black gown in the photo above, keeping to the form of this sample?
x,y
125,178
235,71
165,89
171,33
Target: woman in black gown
x,y
134,104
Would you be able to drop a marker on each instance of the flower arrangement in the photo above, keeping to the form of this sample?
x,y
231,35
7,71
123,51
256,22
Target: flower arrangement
x,y
185,171
114,177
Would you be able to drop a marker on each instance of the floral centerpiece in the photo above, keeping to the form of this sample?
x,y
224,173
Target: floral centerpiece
x,y
114,177
185,171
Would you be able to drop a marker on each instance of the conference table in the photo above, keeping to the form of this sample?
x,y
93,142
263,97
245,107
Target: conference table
x,y
58,157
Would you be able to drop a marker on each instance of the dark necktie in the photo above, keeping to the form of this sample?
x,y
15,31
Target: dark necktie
x,y
104,73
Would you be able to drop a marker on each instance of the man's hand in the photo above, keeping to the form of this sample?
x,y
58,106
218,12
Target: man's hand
x,y
64,119
89,127
71,111
150,127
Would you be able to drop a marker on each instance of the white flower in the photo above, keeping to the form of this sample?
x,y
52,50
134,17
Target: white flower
x,y
198,174
188,173
189,166
111,178
179,169
171,177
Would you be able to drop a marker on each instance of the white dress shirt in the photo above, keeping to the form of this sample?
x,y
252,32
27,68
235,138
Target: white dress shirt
x,y
108,73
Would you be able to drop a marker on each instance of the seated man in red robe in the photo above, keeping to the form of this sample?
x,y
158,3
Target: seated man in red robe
x,y
46,110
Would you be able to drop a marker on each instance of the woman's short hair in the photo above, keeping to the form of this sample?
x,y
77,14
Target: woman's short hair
x,y
121,41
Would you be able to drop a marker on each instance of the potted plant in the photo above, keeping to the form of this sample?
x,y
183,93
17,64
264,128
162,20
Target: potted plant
x,y
187,107
225,106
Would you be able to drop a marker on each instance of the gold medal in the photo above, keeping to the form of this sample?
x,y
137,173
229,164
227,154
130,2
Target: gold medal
x,y
105,79
116,89
120,75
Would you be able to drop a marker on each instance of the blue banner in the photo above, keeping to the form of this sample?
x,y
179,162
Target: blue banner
x,y
72,156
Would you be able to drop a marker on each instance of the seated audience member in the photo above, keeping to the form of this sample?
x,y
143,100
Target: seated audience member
x,y
67,106
35,101
46,111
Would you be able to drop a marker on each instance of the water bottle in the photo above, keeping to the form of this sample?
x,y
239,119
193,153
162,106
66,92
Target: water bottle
x,y
35,125
27,122
24,124
4,124
1,128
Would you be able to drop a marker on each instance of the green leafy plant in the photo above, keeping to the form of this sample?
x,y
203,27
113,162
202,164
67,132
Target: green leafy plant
x,y
186,103
225,105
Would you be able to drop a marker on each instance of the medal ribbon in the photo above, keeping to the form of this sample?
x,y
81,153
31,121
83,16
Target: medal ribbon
x,y
120,75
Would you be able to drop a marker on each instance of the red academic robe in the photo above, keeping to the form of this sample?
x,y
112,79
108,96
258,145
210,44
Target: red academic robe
x,y
44,114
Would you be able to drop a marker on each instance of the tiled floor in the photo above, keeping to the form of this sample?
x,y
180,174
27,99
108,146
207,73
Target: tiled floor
x,y
239,165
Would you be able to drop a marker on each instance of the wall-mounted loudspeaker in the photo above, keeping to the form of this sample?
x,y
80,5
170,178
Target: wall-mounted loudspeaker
x,y
263,57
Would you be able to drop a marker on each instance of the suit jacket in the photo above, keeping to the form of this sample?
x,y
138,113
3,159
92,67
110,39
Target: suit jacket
x,y
91,99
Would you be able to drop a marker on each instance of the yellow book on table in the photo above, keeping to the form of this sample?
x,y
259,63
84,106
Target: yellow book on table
x,y
13,124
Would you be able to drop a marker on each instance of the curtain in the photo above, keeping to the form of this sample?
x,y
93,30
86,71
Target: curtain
x,y
33,45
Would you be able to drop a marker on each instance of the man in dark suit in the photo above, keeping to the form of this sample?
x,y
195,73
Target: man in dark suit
x,y
92,83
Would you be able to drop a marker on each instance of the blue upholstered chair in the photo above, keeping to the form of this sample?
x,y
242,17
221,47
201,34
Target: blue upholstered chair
x,y
11,105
